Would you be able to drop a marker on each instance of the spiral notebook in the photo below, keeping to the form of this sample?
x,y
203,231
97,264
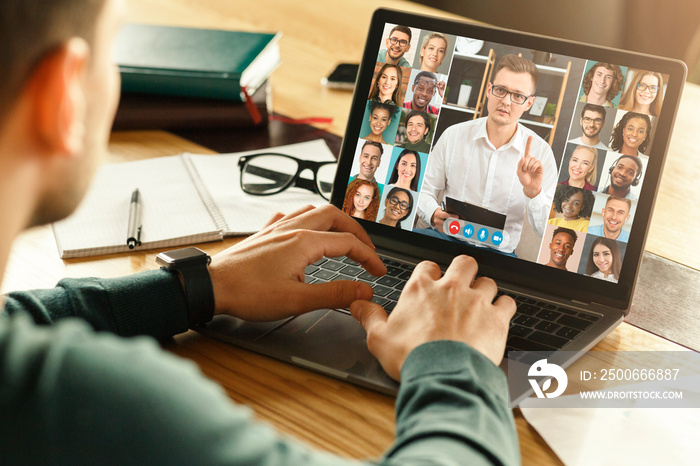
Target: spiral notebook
x,y
186,199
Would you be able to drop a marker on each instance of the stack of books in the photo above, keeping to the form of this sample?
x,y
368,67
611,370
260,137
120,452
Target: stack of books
x,y
175,78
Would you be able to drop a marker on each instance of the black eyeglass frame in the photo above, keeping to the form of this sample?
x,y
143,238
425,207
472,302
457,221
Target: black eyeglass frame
x,y
296,180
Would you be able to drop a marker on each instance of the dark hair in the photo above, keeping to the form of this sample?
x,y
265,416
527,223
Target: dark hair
x,y
395,173
30,30
568,231
611,244
378,105
372,208
518,64
615,86
616,139
405,29
424,74
635,159
374,93
423,115
378,145
393,192
564,192
593,108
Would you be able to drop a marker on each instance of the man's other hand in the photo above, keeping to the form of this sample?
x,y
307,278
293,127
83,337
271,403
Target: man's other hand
x,y
432,307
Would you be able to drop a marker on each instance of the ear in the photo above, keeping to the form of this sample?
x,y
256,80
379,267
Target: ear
x,y
530,101
59,104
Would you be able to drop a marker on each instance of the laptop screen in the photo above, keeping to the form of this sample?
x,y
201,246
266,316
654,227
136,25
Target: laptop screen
x,y
538,155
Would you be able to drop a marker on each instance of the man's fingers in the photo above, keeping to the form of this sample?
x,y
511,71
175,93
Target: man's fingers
x,y
431,269
329,218
528,146
338,294
371,316
331,244
275,218
462,268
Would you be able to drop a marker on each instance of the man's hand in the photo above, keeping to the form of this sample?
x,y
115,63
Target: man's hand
x,y
262,277
452,307
438,218
441,85
530,172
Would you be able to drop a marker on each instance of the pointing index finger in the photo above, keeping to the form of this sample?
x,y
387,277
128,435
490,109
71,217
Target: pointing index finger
x,y
528,146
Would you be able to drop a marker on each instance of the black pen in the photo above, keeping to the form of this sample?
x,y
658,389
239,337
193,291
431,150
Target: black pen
x,y
133,233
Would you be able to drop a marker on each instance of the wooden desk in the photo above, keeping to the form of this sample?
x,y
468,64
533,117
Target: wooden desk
x,y
328,414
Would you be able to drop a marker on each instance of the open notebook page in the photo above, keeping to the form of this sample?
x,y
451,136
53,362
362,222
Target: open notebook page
x,y
172,214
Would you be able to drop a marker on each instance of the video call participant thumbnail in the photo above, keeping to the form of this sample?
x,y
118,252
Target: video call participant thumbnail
x,y
380,118
387,85
494,161
632,134
369,160
398,207
362,199
433,51
592,121
425,85
561,249
406,170
575,205
624,173
397,44
418,125
582,168
615,213
601,84
604,260
644,93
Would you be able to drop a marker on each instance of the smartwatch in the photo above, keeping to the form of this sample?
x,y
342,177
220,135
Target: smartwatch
x,y
192,266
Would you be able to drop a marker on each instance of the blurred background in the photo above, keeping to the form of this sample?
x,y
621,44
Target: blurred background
x,y
660,27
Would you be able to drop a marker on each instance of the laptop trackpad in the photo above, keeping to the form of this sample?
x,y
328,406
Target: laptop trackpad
x,y
326,338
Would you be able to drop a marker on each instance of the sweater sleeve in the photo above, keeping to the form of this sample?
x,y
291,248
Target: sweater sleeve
x,y
93,398
148,303
452,408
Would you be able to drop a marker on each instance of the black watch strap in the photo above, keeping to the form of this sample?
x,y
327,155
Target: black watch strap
x,y
192,265
199,293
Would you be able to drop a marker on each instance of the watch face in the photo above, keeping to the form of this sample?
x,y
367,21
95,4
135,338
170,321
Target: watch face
x,y
183,256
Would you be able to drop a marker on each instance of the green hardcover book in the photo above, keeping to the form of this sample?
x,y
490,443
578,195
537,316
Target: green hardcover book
x,y
190,62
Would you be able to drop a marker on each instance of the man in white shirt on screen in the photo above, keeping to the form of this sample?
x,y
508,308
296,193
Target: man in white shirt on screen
x,y
494,161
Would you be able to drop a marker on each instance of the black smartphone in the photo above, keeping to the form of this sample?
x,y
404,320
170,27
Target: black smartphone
x,y
342,77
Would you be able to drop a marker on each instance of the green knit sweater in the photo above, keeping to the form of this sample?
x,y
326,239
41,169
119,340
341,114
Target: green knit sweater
x,y
73,395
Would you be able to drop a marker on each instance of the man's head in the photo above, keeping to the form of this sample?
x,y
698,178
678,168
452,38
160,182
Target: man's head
x,y
603,80
592,120
561,247
625,172
58,94
417,126
370,158
511,93
424,87
615,214
398,43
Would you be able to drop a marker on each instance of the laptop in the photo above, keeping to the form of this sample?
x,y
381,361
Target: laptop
x,y
599,122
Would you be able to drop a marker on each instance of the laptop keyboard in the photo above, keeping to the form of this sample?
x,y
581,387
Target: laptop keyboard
x,y
536,325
